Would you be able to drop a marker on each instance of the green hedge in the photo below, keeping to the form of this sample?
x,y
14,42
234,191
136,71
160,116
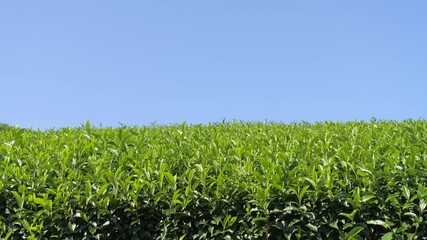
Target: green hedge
x,y
355,180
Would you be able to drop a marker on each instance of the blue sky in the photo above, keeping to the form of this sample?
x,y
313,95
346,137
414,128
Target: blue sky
x,y
138,62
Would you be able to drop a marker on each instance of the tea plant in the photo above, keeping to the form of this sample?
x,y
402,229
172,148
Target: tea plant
x,y
354,180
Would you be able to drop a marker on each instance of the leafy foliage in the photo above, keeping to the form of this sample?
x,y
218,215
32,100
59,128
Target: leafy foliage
x,y
4,126
355,180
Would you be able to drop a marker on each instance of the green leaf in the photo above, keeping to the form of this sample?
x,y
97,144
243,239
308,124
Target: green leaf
x,y
232,221
349,215
356,196
366,198
21,189
302,193
18,199
354,232
363,172
312,227
376,222
411,214
25,224
103,189
422,205
387,236
406,192
410,236
87,126
72,226
390,197
39,201
8,235
311,182
263,219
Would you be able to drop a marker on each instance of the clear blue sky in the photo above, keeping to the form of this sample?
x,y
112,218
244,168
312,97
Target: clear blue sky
x,y
137,62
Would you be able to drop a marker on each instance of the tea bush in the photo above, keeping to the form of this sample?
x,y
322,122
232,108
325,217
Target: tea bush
x,y
354,180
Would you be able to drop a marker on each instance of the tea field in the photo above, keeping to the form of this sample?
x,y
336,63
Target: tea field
x,y
236,180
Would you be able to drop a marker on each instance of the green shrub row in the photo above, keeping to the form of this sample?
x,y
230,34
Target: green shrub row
x,y
354,180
